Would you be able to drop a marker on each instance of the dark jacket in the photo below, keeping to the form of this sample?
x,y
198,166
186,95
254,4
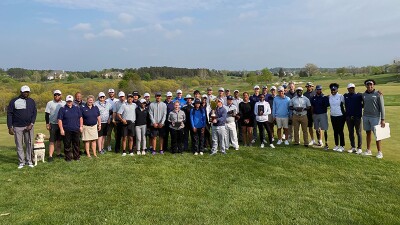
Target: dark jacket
x,y
21,112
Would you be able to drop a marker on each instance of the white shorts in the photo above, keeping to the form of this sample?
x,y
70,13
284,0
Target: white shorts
x,y
282,122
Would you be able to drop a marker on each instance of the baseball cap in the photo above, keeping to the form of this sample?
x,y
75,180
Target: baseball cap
x,y
101,94
179,91
309,84
56,92
230,97
351,85
221,89
130,95
158,94
204,96
169,94
284,85
69,98
256,87
209,89
369,81
318,87
197,101
136,93
273,88
188,96
142,100
219,99
25,89
235,91
121,94
146,95
111,90
264,87
299,89
280,88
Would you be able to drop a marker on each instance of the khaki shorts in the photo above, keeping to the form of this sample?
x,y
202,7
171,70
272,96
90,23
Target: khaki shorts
x,y
89,133
282,122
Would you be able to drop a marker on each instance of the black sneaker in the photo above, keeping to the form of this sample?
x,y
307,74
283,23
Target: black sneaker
x,y
50,159
60,155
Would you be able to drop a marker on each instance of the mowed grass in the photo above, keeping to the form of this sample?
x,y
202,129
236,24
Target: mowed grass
x,y
287,185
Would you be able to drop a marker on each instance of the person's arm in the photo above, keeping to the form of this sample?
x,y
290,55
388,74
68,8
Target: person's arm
x,y
34,113
164,116
60,116
308,104
151,115
382,106
80,124
268,109
192,117
10,113
255,111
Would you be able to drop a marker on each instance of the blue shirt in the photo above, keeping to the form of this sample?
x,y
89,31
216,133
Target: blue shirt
x,y
21,112
320,104
170,106
198,117
90,115
280,108
181,100
70,117
221,116
353,104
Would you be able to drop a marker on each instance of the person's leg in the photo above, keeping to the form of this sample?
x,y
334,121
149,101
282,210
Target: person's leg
x,y
214,136
144,129
296,128
249,135
201,140
174,144
86,144
118,137
139,134
75,139
269,132
261,132
244,135
304,124
130,139
335,124
18,138
254,130
221,131
227,136
341,132
350,127
369,138
378,146
185,138
179,139
195,141
124,138
166,133
279,132
234,136
358,129
286,131
68,146
100,143
93,143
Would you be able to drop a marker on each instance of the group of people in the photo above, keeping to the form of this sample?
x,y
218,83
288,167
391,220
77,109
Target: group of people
x,y
195,123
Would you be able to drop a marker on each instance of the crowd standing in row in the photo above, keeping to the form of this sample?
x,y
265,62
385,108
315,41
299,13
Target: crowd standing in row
x,y
205,121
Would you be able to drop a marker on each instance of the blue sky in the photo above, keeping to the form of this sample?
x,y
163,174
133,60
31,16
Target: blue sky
x,y
215,34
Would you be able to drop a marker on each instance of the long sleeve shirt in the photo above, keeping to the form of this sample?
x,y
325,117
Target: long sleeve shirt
x,y
221,116
301,103
320,104
198,117
353,104
21,112
336,103
177,117
374,105
266,111
157,112
280,108
231,113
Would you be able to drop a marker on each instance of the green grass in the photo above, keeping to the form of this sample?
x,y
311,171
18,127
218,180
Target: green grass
x,y
288,185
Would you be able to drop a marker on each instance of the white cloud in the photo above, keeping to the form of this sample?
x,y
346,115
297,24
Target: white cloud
x,y
49,20
125,18
112,33
89,36
82,27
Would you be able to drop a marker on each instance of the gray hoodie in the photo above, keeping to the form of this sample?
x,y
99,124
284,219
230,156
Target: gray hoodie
x,y
157,112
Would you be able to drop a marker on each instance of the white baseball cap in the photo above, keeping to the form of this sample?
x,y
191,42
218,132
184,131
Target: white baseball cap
x,y
221,89
69,98
169,94
255,87
25,89
101,94
56,92
273,88
146,95
111,90
179,91
351,85
235,91
204,96
299,89
142,100
121,94
280,88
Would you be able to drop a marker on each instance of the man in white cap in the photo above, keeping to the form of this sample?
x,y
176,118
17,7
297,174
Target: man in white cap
x,y
146,96
111,100
354,103
253,100
52,108
117,122
104,108
21,116
166,131
210,96
221,95
179,98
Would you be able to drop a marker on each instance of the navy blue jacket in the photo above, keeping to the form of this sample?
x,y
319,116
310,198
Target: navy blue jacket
x,y
21,113
320,104
70,117
354,104
221,116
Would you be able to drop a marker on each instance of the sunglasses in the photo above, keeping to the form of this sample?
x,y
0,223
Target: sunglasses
x,y
101,97
56,94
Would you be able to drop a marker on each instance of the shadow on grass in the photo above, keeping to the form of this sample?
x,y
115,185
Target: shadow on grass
x,y
8,155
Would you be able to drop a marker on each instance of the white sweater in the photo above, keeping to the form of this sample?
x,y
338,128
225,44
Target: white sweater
x,y
267,111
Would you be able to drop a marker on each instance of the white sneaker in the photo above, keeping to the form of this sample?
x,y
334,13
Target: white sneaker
x,y
262,145
201,153
312,142
272,146
273,139
380,155
253,141
283,136
109,148
359,151
196,153
286,142
131,154
351,150
31,165
368,152
236,149
340,149
138,153
279,142
143,152
320,143
124,154
335,148
265,141
21,166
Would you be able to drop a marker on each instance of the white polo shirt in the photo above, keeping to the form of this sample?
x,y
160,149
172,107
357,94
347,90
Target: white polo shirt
x,y
334,102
